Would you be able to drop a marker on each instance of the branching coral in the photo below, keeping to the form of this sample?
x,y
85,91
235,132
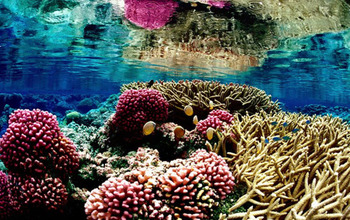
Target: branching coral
x,y
216,119
136,107
230,97
295,166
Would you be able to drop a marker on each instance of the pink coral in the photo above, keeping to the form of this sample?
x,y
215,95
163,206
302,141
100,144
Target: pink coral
x,y
33,143
187,193
215,119
117,199
150,14
136,107
27,192
214,169
4,197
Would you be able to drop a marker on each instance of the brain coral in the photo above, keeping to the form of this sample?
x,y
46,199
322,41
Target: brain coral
x,y
136,107
33,143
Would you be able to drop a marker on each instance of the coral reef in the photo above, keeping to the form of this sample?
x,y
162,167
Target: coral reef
x,y
230,97
136,107
295,166
182,188
216,119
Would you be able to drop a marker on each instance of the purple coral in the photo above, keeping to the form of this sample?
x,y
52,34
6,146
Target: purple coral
x,y
136,107
150,14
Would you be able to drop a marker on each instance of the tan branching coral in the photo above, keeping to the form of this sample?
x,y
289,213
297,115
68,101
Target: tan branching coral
x,y
199,94
295,166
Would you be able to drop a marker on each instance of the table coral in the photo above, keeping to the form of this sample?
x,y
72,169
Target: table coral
x,y
136,107
33,144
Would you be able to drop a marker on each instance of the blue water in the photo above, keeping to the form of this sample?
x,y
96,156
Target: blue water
x,y
87,58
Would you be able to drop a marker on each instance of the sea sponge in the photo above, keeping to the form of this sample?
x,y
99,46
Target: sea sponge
x,y
136,107
4,197
27,193
117,198
33,144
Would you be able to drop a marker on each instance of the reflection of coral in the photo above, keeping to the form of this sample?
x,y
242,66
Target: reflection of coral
x,y
136,107
33,143
4,197
150,14
117,198
29,193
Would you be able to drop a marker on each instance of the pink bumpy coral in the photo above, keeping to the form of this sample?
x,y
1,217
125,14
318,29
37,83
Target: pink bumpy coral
x,y
117,199
215,119
4,197
214,169
33,144
187,193
136,107
150,14
29,193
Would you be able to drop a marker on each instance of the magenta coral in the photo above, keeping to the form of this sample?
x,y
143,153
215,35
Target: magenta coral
x,y
136,107
117,199
150,14
34,144
29,193
215,119
214,169
4,197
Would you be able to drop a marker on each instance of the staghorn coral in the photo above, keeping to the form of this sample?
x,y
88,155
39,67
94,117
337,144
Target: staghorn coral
x,y
136,107
230,97
4,197
295,166
33,144
28,193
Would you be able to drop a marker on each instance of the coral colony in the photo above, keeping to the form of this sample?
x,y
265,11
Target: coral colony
x,y
233,155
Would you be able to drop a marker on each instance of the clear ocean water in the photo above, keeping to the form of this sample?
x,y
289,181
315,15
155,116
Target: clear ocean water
x,y
84,55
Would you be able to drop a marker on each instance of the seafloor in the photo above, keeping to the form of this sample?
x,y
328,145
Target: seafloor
x,y
172,150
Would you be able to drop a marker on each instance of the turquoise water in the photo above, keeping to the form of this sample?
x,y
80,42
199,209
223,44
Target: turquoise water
x,y
85,56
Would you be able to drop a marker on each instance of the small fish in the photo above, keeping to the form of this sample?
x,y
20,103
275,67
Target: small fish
x,y
286,138
195,120
210,133
188,110
285,124
149,127
274,123
266,141
276,138
211,105
308,121
295,130
179,132
150,83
